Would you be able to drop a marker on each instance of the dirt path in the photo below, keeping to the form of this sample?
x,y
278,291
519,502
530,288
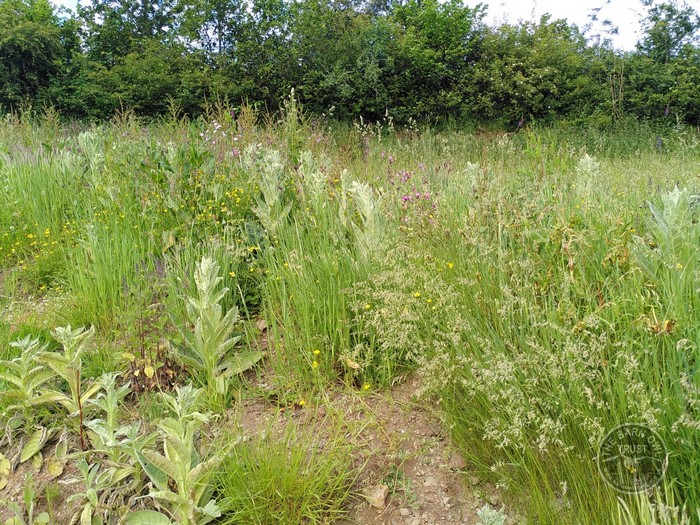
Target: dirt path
x,y
403,449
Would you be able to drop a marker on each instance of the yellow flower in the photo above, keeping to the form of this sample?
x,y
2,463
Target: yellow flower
x,y
416,295
232,274
366,386
368,306
316,352
430,300
314,364
450,265
679,266
302,402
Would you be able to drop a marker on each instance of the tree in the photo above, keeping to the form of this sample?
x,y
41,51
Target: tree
x,y
667,28
30,50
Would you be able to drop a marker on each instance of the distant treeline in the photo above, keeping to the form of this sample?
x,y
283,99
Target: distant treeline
x,y
404,59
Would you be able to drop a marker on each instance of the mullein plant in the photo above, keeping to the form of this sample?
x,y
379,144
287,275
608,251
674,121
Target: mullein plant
x,y
24,378
181,475
206,351
68,366
266,167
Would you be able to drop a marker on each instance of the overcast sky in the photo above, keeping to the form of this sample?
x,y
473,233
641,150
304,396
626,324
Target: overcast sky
x,y
625,14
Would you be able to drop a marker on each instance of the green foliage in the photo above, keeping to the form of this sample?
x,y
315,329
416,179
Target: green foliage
x,y
526,277
668,27
30,48
207,350
68,366
27,516
24,377
429,61
281,480
190,503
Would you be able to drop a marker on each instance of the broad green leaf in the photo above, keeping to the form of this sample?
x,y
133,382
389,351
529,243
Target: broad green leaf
x,y
54,467
86,515
240,362
40,377
157,476
91,391
198,477
5,468
37,461
168,495
147,517
11,378
61,450
34,444
211,509
162,463
51,397
56,361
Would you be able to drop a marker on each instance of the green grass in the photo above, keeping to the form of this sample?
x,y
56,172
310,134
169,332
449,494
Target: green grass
x,y
287,477
543,284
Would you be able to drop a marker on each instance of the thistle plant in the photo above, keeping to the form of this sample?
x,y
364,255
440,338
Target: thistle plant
x,y
314,185
207,349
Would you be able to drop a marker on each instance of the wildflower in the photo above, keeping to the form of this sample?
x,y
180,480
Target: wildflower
x,y
679,266
316,352
416,295
301,403
314,364
232,274
368,306
450,265
366,386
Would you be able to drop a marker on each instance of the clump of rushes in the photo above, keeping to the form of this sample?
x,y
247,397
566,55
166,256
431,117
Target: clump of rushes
x,y
206,350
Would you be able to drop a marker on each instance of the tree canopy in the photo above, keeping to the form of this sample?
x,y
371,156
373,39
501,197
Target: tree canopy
x,y
411,59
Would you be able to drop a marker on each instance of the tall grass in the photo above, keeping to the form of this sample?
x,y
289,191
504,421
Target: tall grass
x,y
544,284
